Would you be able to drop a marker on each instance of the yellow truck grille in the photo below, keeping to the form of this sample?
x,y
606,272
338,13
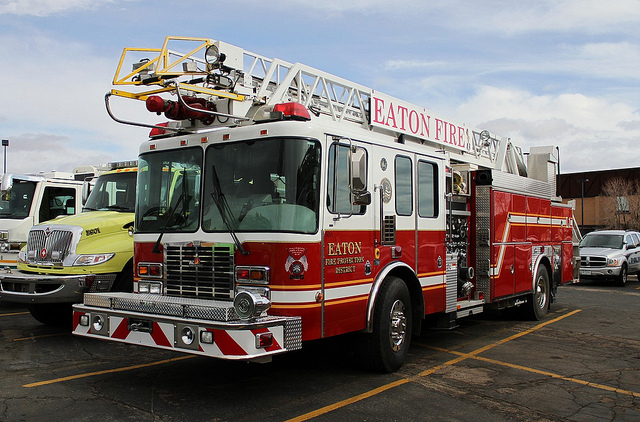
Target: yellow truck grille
x,y
48,247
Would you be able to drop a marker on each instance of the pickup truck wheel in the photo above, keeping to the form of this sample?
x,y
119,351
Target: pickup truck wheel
x,y
622,278
53,314
386,348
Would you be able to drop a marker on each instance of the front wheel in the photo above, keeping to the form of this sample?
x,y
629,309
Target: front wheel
x,y
539,300
622,278
387,346
53,314
124,280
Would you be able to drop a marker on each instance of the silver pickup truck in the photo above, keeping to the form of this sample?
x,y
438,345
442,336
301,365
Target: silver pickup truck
x,y
610,254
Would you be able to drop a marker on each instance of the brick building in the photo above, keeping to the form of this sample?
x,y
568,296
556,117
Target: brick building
x,y
601,208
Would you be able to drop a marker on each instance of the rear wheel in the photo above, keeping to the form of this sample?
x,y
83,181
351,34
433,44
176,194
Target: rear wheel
x,y
387,346
54,314
539,300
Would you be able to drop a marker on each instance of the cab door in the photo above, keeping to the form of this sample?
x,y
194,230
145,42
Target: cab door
x,y
348,238
633,252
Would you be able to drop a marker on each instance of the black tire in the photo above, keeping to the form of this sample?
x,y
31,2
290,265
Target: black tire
x,y
386,348
53,314
621,280
124,280
538,303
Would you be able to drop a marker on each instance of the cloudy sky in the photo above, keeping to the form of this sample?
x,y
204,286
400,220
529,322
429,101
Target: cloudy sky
x,y
543,72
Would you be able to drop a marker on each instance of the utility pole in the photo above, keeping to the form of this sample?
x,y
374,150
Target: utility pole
x,y
582,182
5,144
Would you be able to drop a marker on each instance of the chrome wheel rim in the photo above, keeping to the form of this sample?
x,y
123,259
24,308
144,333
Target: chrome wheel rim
x,y
397,325
541,293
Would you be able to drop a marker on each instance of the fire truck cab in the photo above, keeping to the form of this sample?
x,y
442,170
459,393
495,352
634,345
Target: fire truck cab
x,y
283,204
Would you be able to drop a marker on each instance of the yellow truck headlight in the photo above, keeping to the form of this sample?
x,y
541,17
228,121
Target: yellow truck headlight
x,y
84,260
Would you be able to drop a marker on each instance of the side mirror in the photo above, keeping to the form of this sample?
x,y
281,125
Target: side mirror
x,y
86,190
358,165
362,198
7,183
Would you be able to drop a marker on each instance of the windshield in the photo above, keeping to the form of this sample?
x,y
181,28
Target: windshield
x,y
169,190
612,241
114,191
16,202
265,185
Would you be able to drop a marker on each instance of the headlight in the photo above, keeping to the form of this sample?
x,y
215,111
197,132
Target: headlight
x,y
22,256
96,259
613,262
150,287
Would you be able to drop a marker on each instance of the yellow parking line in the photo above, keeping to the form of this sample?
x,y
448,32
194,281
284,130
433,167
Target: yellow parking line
x,y
349,401
463,356
40,336
537,371
106,371
14,313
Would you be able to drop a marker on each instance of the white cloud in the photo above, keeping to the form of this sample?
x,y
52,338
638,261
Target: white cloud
x,y
46,7
55,115
589,16
593,133
493,16
47,152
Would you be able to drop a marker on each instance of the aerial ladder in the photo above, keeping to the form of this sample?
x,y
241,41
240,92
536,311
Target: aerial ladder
x,y
216,83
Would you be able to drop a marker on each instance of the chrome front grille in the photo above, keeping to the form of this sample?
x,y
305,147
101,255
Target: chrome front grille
x,y
199,271
593,261
48,247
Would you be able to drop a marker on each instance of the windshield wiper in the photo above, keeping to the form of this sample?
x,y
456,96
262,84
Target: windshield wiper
x,y
223,207
116,207
156,247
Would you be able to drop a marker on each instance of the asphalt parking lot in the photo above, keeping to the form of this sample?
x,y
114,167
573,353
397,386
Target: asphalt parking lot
x,y
579,364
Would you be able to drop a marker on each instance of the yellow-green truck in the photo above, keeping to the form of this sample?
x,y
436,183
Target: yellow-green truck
x,y
87,252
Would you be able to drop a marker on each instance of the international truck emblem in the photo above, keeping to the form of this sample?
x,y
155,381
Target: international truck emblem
x,y
47,231
43,253
296,263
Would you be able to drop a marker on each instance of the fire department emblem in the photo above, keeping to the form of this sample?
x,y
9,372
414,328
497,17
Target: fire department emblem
x,y
296,263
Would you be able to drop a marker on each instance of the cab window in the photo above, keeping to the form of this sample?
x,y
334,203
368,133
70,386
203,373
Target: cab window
x,y
56,202
404,186
339,199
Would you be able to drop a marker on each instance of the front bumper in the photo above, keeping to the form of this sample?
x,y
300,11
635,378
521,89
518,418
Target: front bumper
x,y
201,327
42,288
600,272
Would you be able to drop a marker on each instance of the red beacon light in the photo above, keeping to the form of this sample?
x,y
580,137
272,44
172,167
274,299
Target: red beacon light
x,y
156,131
292,111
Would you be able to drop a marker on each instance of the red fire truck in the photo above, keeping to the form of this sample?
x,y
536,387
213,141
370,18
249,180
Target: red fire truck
x,y
281,204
